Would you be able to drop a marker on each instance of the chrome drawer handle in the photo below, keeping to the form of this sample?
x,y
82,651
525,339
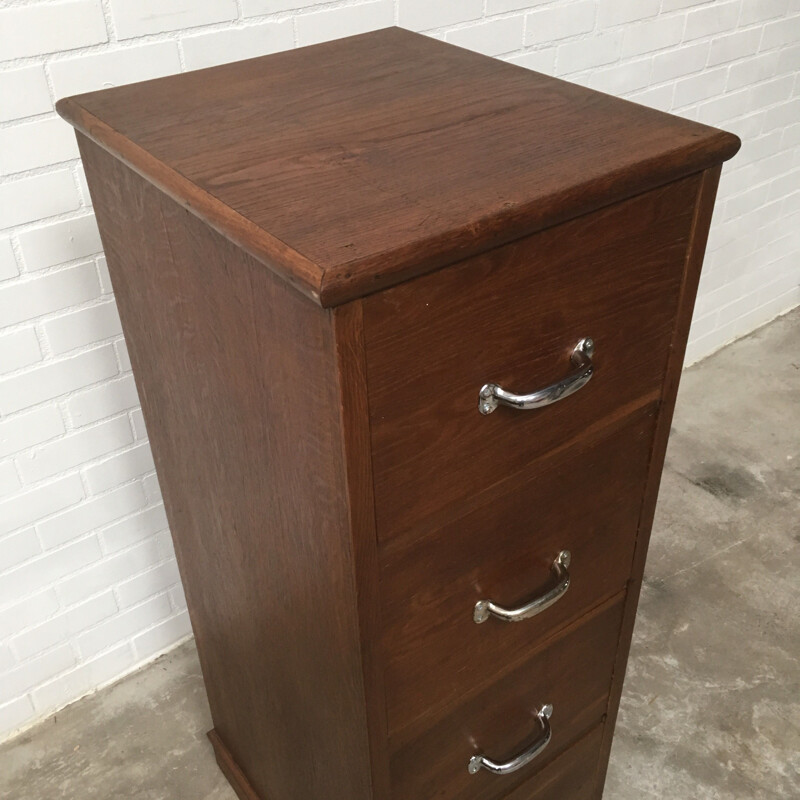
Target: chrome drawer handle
x,y
486,608
477,763
492,395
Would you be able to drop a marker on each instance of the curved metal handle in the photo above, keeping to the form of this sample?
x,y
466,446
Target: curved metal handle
x,y
486,608
477,763
492,395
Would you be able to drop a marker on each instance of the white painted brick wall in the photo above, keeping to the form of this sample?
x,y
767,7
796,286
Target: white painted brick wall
x,y
37,29
88,583
134,18
334,23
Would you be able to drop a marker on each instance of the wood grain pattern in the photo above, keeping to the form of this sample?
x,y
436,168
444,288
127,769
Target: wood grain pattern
x,y
352,367
703,210
512,317
231,770
572,673
588,502
570,777
349,166
237,377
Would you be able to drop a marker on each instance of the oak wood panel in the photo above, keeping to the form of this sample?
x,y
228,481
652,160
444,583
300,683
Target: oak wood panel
x,y
703,211
351,363
586,437
237,377
513,316
572,673
352,165
231,770
588,502
572,776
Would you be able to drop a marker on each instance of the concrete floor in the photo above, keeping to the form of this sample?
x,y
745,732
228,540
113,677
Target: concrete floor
x,y
711,709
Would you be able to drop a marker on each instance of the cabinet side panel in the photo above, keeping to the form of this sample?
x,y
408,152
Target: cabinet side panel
x,y
237,377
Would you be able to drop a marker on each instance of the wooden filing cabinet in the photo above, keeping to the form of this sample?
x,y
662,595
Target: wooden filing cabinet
x,y
407,325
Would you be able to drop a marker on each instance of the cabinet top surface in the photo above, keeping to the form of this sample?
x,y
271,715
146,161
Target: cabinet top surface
x,y
355,164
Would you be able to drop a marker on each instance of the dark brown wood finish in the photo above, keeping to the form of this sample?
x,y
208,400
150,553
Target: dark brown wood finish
x,y
571,776
237,377
231,770
429,352
587,501
351,362
351,165
573,673
337,503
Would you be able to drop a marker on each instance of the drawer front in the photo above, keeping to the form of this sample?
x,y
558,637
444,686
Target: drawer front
x,y
573,674
571,776
587,503
513,317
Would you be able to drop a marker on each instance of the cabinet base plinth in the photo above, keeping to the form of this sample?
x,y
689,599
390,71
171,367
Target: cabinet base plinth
x,y
231,770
